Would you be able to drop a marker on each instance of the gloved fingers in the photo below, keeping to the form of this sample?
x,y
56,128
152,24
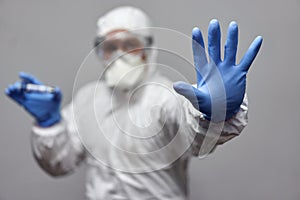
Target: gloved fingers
x,y
200,59
231,44
197,36
15,88
14,92
57,94
28,78
251,54
9,90
214,37
189,92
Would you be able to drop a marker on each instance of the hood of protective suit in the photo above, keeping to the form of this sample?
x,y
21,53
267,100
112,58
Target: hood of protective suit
x,y
128,18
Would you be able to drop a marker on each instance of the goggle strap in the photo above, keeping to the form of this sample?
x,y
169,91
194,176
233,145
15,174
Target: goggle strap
x,y
98,40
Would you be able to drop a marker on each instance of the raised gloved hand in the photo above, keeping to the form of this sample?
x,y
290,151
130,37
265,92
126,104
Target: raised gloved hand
x,y
43,106
221,84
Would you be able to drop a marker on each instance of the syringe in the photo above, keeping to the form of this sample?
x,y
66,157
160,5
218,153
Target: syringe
x,y
37,88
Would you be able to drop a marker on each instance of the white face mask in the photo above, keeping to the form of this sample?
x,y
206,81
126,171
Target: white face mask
x,y
125,72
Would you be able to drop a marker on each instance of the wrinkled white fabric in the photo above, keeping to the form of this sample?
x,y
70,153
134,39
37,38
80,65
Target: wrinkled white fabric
x,y
97,125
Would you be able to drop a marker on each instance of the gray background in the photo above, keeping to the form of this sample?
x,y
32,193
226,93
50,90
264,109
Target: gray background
x,y
50,39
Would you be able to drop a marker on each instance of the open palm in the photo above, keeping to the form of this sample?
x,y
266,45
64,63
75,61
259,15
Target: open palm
x,y
221,84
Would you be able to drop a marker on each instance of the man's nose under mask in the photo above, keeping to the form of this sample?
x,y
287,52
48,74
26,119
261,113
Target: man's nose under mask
x,y
124,71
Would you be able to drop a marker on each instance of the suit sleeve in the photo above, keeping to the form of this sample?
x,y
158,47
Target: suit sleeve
x,y
57,149
205,136
201,135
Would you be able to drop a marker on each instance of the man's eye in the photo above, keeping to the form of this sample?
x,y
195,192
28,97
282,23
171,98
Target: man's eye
x,y
110,48
129,45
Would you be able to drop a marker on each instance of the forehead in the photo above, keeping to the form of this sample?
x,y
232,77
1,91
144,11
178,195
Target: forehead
x,y
116,32
123,35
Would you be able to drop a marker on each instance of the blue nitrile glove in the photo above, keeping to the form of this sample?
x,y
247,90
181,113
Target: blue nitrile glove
x,y
221,84
43,106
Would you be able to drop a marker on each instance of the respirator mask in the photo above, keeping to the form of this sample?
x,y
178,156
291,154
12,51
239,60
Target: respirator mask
x,y
125,70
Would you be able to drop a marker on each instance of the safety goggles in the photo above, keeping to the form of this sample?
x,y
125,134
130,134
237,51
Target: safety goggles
x,y
127,42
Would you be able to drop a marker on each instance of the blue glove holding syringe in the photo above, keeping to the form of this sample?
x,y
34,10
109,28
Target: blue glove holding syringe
x,y
41,101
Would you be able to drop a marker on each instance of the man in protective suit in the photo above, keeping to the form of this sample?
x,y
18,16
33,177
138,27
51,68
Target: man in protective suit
x,y
135,129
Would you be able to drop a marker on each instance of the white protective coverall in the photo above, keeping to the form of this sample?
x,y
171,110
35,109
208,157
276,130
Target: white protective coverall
x,y
113,131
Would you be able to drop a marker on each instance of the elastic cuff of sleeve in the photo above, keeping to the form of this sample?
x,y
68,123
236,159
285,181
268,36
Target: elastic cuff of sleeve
x,y
51,131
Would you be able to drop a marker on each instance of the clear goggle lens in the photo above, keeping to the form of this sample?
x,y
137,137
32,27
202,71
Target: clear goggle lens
x,y
127,42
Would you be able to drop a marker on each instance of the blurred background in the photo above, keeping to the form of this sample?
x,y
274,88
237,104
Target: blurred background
x,y
50,39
